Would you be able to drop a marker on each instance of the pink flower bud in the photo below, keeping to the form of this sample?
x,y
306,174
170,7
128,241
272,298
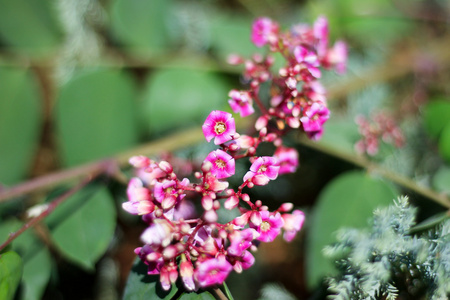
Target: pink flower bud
x,y
207,202
139,161
231,202
166,167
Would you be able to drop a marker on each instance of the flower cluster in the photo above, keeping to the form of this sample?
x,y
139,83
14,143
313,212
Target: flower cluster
x,y
297,98
380,127
179,242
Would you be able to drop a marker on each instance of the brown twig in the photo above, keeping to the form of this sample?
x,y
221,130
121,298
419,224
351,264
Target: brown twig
x,y
50,208
361,161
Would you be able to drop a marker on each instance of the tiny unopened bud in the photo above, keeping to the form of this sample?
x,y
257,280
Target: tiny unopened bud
x,y
238,267
170,252
258,203
233,147
198,175
206,166
285,207
210,216
255,218
251,151
245,197
139,161
223,234
153,256
166,167
283,72
158,213
260,180
216,204
261,122
231,202
263,132
207,202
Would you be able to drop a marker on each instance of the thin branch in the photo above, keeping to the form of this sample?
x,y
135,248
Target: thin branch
x,y
111,166
361,161
220,295
50,208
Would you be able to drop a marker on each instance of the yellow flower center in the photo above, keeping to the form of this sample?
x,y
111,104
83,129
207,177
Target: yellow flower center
x,y
265,226
220,164
220,127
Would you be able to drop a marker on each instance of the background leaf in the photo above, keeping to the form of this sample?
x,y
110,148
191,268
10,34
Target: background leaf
x,y
441,180
347,201
37,262
83,226
436,116
180,97
203,295
142,25
20,119
142,286
95,115
10,274
444,142
29,26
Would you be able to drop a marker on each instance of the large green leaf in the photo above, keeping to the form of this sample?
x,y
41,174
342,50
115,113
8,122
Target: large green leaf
x,y
95,115
20,118
141,286
436,116
83,225
29,26
347,201
36,259
142,25
179,97
10,274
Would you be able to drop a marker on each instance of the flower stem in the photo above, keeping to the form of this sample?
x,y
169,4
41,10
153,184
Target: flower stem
x,y
50,208
227,291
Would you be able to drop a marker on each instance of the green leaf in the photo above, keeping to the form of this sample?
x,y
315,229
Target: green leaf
x,y
347,201
231,34
95,115
444,143
10,274
83,225
141,286
179,97
142,25
29,26
20,119
203,295
341,134
362,20
436,116
36,259
441,180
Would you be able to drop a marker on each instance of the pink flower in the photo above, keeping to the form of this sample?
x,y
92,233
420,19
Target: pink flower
x,y
309,60
166,193
241,241
152,259
212,271
337,56
264,31
262,170
220,126
270,226
314,118
241,102
222,164
321,34
292,224
243,262
168,275
158,233
287,159
139,198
